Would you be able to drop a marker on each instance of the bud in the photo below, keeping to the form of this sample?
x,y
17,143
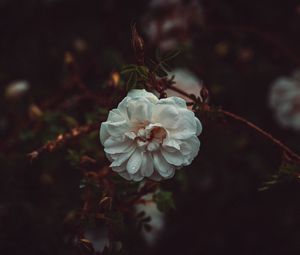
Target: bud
x,y
34,112
68,58
138,45
114,79
204,94
163,94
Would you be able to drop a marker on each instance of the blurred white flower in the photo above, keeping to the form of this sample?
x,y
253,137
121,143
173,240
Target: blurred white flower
x,y
98,236
157,219
148,137
16,89
285,100
186,81
174,24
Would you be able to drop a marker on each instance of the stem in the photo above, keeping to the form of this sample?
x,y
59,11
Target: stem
x,y
62,139
180,92
238,118
262,132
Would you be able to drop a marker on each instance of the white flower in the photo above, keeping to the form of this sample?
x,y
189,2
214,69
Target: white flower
x,y
148,137
285,101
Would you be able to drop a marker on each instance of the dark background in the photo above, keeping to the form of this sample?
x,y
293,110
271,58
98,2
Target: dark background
x,y
220,210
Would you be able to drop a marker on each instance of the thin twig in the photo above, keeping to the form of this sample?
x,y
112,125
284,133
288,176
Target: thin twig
x,y
238,118
261,131
180,91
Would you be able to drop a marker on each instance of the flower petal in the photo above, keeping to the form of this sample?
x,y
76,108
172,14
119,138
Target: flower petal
x,y
117,128
134,163
162,166
104,135
199,126
173,101
167,115
175,158
115,145
126,175
119,169
170,144
140,110
115,115
131,135
190,148
186,126
137,177
120,158
142,93
147,165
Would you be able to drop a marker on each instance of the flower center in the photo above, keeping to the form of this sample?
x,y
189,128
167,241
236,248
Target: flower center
x,y
151,137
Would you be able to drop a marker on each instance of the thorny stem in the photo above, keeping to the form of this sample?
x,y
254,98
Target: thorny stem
x,y
286,149
62,139
263,132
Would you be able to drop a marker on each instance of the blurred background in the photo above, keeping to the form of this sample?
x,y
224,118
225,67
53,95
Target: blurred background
x,y
56,56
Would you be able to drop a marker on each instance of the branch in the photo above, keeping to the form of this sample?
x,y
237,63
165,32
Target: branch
x,y
262,132
251,125
62,139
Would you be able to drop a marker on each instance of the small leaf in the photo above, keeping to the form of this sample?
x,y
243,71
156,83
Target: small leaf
x,y
129,82
143,72
128,68
161,72
165,66
73,157
171,55
164,201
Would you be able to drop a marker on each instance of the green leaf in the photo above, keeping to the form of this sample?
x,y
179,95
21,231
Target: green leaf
x,y
161,72
164,201
73,157
129,81
143,72
165,66
288,169
171,55
128,68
